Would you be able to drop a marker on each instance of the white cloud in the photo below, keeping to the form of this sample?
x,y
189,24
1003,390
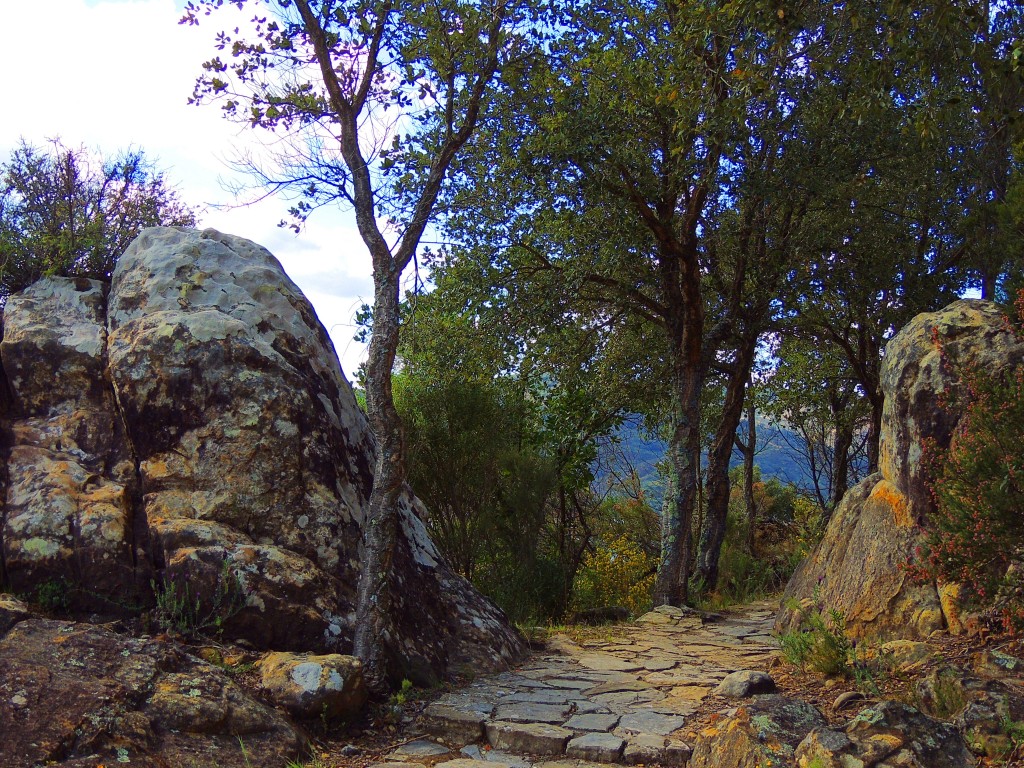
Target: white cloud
x,y
117,73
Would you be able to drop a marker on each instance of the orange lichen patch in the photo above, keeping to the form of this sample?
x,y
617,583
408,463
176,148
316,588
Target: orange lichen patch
x,y
886,493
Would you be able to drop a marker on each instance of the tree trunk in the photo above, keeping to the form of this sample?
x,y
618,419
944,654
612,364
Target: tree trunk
x,y
715,520
684,447
840,480
749,451
374,631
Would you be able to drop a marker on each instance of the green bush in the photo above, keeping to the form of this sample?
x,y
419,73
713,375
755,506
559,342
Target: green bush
x,y
820,643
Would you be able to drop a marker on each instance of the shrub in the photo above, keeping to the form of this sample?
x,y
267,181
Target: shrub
x,y
617,572
976,534
820,643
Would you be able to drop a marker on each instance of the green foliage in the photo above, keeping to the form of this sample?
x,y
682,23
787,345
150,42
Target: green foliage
x,y
54,595
976,535
69,212
820,642
179,610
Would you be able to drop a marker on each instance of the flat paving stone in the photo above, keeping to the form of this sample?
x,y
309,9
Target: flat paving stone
x,y
453,725
599,747
607,662
473,752
419,748
528,712
570,684
617,687
650,722
592,722
541,696
529,738
465,762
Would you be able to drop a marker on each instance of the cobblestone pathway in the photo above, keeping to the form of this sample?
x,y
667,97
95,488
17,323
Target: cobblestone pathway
x,y
623,696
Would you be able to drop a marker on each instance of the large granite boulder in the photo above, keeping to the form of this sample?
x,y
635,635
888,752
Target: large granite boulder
x,y
192,429
858,567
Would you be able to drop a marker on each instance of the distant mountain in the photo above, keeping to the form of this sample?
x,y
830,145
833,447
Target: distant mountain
x,y
643,454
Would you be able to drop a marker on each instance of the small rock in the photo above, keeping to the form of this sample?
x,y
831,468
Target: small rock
x,y
351,750
745,683
309,685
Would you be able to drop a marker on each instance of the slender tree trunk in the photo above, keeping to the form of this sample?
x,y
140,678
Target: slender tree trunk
x,y
684,447
374,630
840,480
749,451
718,487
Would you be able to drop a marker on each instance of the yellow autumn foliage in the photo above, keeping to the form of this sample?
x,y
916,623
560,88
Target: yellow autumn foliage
x,y
617,572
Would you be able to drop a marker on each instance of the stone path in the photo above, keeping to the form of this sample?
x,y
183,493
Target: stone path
x,y
622,696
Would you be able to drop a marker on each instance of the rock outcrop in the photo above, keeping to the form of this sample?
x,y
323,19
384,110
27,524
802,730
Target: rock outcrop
x,y
190,425
857,568
81,695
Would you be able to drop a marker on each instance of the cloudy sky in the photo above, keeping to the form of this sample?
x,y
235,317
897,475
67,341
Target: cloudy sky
x,y
113,74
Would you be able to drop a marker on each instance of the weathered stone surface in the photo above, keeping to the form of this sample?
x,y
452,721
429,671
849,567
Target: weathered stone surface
x,y
901,735
68,522
857,567
455,726
491,756
531,738
527,712
744,683
858,570
647,721
592,722
599,747
419,748
193,426
68,691
308,685
765,731
12,610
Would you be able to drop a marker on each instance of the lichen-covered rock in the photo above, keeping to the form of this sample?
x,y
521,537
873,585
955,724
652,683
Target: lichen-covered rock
x,y
858,567
74,691
307,685
898,734
887,735
969,333
763,733
193,427
69,500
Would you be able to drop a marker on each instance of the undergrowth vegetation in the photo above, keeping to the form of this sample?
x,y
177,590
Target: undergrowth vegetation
x,y
976,534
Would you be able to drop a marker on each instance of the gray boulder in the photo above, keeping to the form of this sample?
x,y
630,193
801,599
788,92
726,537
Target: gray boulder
x,y
193,427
